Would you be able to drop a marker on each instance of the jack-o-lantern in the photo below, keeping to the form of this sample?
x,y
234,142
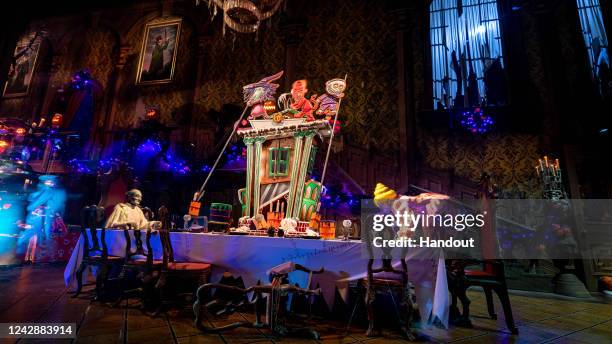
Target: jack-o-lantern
x,y
269,106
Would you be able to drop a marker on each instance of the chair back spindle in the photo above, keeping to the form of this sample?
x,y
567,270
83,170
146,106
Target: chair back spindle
x,y
164,234
100,223
92,218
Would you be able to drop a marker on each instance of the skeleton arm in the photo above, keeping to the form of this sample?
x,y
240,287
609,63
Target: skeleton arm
x,y
284,101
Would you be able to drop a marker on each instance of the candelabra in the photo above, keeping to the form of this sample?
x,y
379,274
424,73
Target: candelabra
x,y
550,174
565,282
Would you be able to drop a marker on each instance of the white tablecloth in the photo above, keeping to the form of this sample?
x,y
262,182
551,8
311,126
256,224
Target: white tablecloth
x,y
251,257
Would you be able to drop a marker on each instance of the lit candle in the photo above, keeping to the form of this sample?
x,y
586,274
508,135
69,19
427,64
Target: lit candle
x,y
546,160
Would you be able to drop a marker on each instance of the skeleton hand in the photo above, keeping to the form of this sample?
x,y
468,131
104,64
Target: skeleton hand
x,y
126,225
155,226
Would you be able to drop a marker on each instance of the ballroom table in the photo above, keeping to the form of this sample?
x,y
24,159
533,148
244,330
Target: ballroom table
x,y
251,257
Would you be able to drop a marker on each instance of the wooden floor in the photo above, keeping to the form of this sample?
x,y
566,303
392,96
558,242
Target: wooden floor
x,y
37,294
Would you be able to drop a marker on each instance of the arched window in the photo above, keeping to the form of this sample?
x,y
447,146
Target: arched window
x,y
595,38
466,49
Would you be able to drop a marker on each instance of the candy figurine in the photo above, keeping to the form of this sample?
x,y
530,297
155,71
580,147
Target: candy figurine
x,y
326,105
299,102
256,94
383,195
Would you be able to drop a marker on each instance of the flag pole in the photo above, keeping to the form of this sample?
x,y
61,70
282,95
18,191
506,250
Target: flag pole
x,y
198,196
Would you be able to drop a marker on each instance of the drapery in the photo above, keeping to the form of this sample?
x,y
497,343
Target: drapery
x,y
469,30
594,34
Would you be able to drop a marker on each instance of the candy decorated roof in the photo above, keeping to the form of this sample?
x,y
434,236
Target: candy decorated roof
x,y
268,128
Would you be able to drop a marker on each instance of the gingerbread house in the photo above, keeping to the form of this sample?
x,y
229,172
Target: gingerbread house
x,y
280,160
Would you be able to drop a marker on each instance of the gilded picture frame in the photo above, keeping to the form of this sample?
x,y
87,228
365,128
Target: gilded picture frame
x,y
21,74
158,52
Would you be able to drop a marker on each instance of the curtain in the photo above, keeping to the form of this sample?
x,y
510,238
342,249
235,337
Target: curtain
x,y
594,34
465,45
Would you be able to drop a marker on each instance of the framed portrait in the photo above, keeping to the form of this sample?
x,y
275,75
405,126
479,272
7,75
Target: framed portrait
x,y
21,72
158,52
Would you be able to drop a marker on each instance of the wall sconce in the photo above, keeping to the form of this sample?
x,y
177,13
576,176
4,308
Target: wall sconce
x,y
56,121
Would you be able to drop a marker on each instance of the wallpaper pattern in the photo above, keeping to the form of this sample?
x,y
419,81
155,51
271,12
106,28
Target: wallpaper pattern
x,y
510,159
173,99
338,41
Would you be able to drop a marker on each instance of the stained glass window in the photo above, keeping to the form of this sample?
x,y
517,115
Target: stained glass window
x,y
466,49
595,38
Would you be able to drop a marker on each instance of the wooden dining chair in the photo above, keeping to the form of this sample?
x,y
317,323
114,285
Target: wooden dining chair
x,y
95,252
386,279
486,272
186,274
220,300
140,270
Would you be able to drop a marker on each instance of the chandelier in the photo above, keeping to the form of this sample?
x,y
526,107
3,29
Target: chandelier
x,y
244,16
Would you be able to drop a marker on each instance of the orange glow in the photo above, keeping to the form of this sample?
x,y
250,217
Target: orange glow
x,y
56,121
20,131
3,146
151,113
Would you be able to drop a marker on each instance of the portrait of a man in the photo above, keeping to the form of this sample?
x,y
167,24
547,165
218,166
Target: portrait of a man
x,y
158,53
21,72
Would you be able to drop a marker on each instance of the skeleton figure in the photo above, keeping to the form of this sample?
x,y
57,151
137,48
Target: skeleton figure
x,y
130,215
327,104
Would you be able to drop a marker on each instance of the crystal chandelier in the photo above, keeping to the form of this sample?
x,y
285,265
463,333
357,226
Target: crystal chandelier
x,y
244,16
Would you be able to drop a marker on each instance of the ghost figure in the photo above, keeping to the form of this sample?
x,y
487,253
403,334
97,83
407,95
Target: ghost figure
x,y
129,215
257,93
48,200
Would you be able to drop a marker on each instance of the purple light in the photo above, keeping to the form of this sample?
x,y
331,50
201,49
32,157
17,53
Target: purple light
x,y
149,146
81,80
476,121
